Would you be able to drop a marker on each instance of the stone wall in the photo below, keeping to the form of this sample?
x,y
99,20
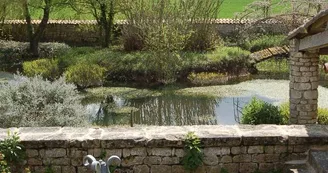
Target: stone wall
x,y
86,33
241,149
304,82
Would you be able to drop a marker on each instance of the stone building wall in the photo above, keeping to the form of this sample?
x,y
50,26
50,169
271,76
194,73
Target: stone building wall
x,y
86,33
241,149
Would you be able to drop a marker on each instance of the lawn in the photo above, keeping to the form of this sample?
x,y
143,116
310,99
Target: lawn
x,y
228,10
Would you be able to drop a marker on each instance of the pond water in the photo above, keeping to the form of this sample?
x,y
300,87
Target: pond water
x,y
177,110
170,110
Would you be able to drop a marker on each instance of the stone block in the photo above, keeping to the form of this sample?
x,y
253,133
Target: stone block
x,y
258,158
295,94
280,149
305,59
268,149
248,167
213,169
295,68
242,158
312,94
141,169
313,69
32,153
57,161
307,74
83,169
305,69
266,167
152,160
255,149
302,86
170,160
126,152
236,150
138,152
68,169
301,148
179,152
225,151
314,79
161,169
302,79
133,160
226,159
269,158
160,151
210,160
34,162
53,153
212,151
114,152
230,167
178,169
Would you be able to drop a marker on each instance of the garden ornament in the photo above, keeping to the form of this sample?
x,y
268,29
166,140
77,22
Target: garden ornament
x,y
99,166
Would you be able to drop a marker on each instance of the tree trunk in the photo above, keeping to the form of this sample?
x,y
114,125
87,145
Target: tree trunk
x,y
34,37
104,25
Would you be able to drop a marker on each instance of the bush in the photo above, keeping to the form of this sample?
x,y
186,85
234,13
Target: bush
x,y
4,168
232,60
264,42
204,38
260,112
85,75
14,53
33,102
47,68
323,116
205,78
322,113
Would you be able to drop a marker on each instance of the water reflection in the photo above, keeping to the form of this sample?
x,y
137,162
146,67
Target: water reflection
x,y
170,110
163,111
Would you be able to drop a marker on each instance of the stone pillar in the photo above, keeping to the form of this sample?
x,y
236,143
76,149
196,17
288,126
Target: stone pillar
x,y
304,81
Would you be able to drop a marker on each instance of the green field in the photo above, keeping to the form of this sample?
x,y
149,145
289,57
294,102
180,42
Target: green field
x,y
228,10
230,7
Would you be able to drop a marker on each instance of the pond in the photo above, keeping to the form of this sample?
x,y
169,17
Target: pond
x,y
170,110
219,104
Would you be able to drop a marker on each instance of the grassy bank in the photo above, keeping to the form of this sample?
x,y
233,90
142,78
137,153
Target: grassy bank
x,y
228,10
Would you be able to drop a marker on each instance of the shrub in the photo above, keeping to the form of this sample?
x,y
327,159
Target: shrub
x,y
205,78
204,38
260,112
85,75
322,113
323,116
264,42
34,102
14,53
4,168
47,68
232,60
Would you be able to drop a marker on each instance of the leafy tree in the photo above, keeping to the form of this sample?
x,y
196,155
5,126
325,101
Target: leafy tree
x,y
103,11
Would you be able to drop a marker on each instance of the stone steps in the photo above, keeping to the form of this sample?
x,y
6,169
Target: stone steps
x,y
317,162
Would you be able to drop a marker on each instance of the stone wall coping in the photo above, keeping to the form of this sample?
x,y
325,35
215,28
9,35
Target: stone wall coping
x,y
156,136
